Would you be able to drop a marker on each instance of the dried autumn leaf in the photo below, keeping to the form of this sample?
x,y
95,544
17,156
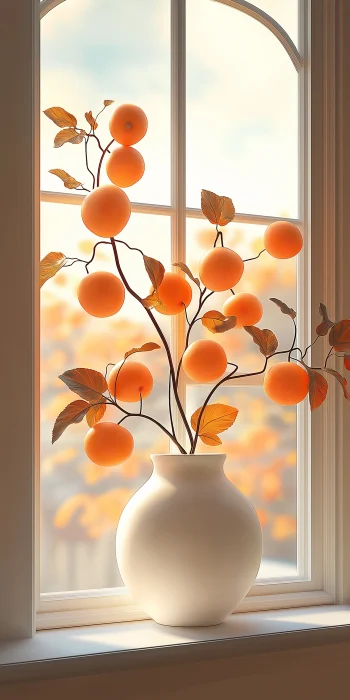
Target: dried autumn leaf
x,y
155,270
324,327
68,136
218,210
284,308
342,381
188,272
347,361
216,322
73,413
70,182
146,347
153,301
107,102
49,265
90,120
216,418
60,116
95,414
264,339
210,439
339,336
87,383
318,387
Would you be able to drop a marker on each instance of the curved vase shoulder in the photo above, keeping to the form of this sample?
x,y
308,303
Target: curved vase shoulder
x,y
188,542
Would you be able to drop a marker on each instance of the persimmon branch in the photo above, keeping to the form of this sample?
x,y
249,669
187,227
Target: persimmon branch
x,y
153,420
86,141
256,257
101,161
328,356
87,262
162,337
202,300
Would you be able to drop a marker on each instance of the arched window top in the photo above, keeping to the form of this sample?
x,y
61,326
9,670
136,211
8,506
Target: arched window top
x,y
247,8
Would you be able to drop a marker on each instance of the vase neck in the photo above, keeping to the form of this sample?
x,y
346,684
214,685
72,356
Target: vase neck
x,y
181,468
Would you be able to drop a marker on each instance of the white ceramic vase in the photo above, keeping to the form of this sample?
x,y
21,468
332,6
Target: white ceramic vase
x,y
188,542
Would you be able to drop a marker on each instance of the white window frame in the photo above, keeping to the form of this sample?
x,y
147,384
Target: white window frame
x,y
322,277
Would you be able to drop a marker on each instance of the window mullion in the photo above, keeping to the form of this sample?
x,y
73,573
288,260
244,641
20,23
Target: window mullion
x,y
178,177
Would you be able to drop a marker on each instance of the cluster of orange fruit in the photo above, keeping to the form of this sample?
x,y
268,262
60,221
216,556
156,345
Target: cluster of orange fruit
x,y
105,212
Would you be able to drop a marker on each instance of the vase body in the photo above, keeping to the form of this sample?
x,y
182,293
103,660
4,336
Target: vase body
x,y
188,542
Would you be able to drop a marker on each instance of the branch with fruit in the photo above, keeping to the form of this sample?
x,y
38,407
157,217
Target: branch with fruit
x,y
105,212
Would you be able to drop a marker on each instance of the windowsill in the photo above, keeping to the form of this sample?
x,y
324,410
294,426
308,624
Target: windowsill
x,y
88,650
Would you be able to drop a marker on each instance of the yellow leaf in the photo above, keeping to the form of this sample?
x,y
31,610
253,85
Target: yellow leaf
x,y
152,301
49,265
216,418
155,270
187,272
210,439
146,347
218,210
87,383
216,322
90,119
68,136
95,414
107,102
264,339
60,116
70,182
73,413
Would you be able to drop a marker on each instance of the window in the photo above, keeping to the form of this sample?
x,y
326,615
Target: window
x,y
171,210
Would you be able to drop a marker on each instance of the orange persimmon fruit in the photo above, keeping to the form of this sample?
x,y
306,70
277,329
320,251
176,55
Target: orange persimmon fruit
x,y
125,166
128,124
246,307
283,240
220,269
286,383
130,380
106,211
108,444
101,294
204,361
175,293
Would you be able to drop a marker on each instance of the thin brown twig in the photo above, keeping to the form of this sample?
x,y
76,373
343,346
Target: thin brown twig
x,y
101,161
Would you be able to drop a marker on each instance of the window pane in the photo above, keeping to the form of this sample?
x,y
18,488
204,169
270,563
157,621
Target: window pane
x,y
285,12
81,502
265,277
261,462
242,112
93,50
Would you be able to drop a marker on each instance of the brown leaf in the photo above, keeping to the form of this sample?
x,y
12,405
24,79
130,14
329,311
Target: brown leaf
x,y
347,361
95,413
264,339
216,322
73,413
155,270
68,136
60,116
146,347
341,381
107,102
153,301
188,272
324,327
90,120
70,182
87,383
216,418
210,439
339,336
218,210
49,265
284,308
318,388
